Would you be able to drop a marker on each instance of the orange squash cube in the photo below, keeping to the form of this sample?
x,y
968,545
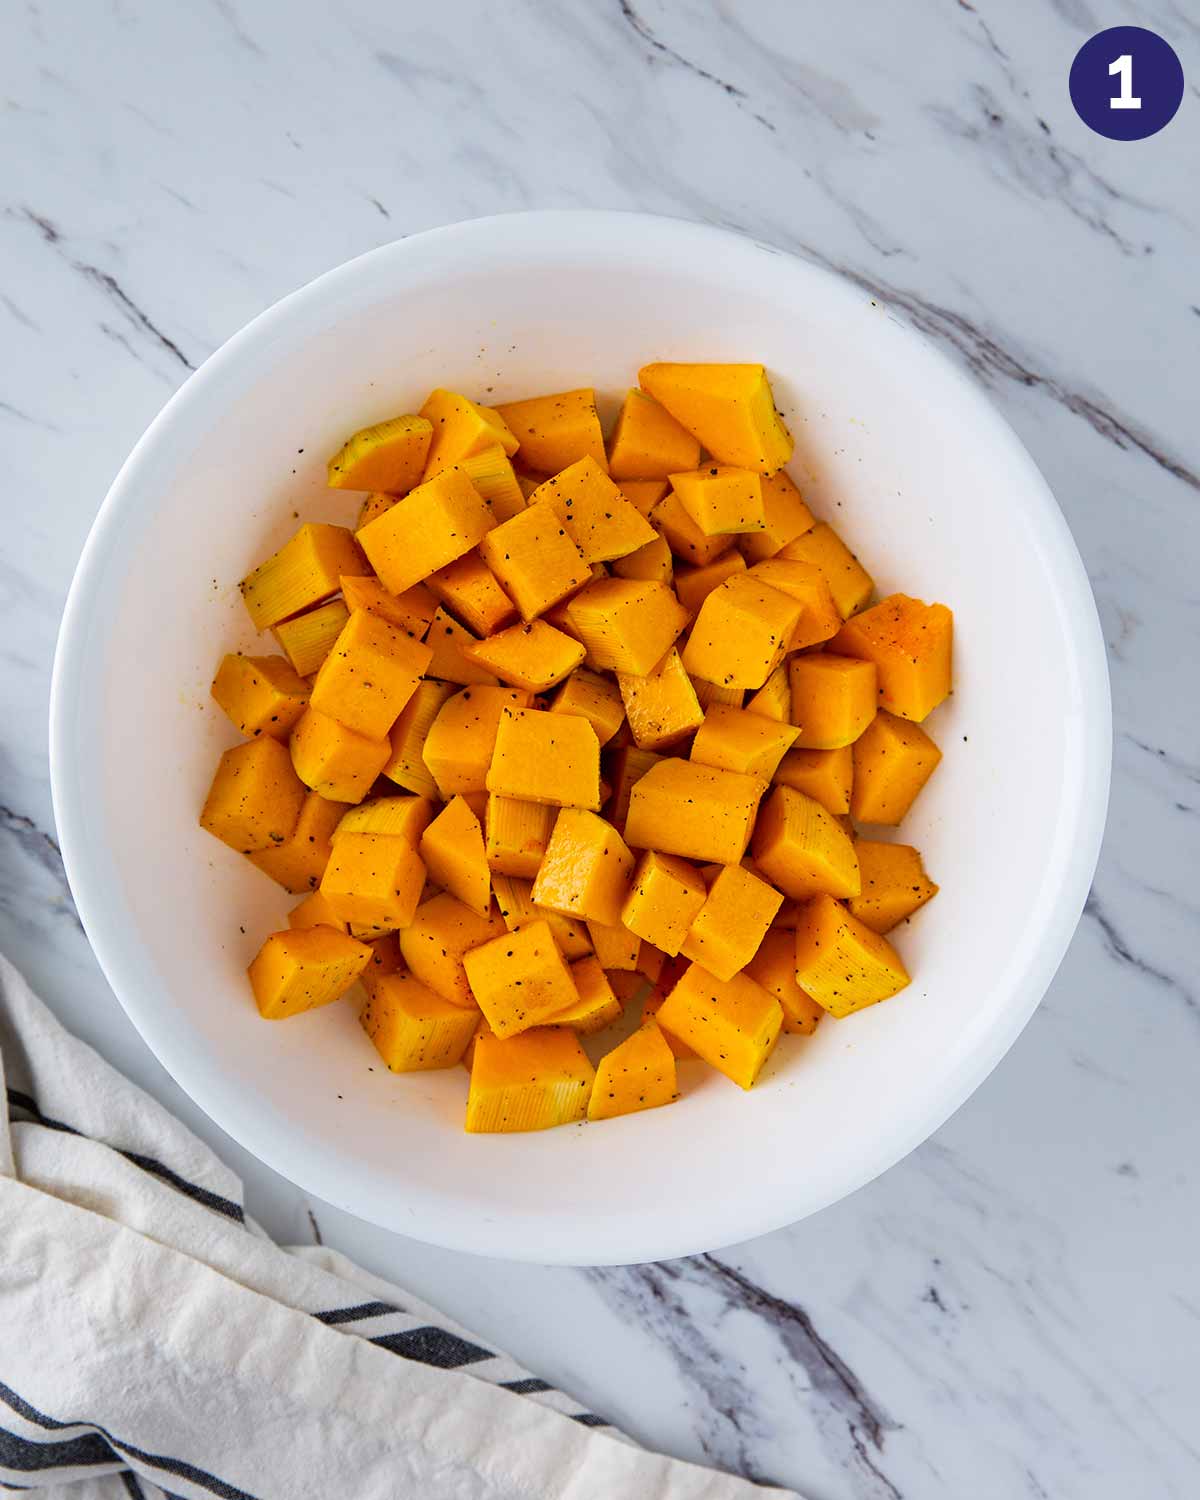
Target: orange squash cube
x,y
910,644
260,694
614,945
586,869
299,861
713,695
785,517
534,656
849,582
729,407
732,922
637,1074
693,585
369,675
334,759
304,571
461,428
589,696
698,812
460,742
374,505
543,757
894,884
315,911
625,625
643,494
520,980
733,1024
303,968
556,431
741,633
469,590
597,1005
722,501
434,524
411,611
893,759
453,854
405,764
686,540
774,967
597,516
628,765
492,474
648,443
806,584
434,942
662,707
413,1029
833,699
827,775
516,835
735,740
373,880
450,643
388,456
534,559
649,564
533,1081
255,798
802,849
402,817
514,898
308,639
841,962
774,699
665,898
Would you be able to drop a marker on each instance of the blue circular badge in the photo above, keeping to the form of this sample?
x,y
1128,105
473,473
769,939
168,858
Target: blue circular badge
x,y
1126,83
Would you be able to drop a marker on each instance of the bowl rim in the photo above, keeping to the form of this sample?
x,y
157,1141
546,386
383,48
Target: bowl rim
x,y
202,1082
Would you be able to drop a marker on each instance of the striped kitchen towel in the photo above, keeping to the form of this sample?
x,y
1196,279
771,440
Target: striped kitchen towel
x,y
155,1342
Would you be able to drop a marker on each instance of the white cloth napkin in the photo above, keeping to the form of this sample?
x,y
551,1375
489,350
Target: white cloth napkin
x,y
154,1342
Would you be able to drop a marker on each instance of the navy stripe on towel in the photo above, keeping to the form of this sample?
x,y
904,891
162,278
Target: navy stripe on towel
x,y
433,1346
356,1313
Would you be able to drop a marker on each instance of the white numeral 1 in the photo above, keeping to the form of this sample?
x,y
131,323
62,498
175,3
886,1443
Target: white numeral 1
x,y
1125,99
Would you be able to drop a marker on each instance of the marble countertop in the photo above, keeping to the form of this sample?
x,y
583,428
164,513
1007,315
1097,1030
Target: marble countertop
x,y
1012,1311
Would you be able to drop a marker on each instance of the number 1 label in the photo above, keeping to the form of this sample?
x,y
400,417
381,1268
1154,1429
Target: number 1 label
x,y
1123,66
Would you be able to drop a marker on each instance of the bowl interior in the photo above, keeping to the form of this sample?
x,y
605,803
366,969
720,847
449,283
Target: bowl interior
x,y
893,446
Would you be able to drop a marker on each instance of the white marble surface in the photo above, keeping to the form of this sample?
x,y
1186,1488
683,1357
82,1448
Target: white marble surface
x,y
1014,1310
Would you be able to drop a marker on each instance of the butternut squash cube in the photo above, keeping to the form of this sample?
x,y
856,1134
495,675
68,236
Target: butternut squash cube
x,y
461,740
369,675
733,1024
735,740
453,853
434,942
260,694
614,945
335,760
713,695
774,967
469,590
910,644
516,835
894,884
698,812
732,922
534,559
460,429
405,765
637,1074
722,501
826,775
555,431
520,979
387,456
662,707
308,639
437,522
686,540
893,759
802,849
543,757
586,869
299,861
628,766
597,1005
785,517
532,1081
402,817
741,633
492,474
534,656
665,898
774,699
373,880
411,611
374,505
840,962
304,571
808,586
315,911
514,898
693,585
599,519
450,642
413,1029
589,696
729,407
651,563
643,494
849,582
255,798
648,443
833,699
651,961
303,968
626,625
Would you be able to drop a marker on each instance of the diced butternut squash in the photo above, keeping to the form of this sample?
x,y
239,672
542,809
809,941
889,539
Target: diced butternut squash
x,y
648,443
733,1024
453,853
651,563
469,590
308,639
402,817
651,961
413,1029
461,428
260,694
450,642
712,694
388,456
589,696
491,472
698,812
459,743
520,980
615,946
517,834
849,582
434,942
722,501
665,898
693,585
410,611
528,1082
736,740
534,655
335,760
534,559
894,884
893,759
774,967
586,869
543,757
626,625
303,968
910,644
315,911
628,766
555,431
732,922
373,880
774,699
802,849
833,699
597,1005
437,522
827,775
299,861
374,505
808,586
304,571
637,1074
662,707
405,765
597,516
369,675
687,541
255,798
514,898
785,517
741,633
644,494
729,407
840,962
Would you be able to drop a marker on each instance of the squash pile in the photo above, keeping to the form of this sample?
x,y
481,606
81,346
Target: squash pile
x,y
563,720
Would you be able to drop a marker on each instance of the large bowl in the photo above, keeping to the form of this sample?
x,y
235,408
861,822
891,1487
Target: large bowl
x,y
893,444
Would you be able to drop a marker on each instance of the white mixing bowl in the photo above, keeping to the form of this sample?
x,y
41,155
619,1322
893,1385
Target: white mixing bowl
x,y
893,444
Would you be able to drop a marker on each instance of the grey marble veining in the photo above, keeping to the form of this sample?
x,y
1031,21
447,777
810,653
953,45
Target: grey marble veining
x,y
1013,1310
